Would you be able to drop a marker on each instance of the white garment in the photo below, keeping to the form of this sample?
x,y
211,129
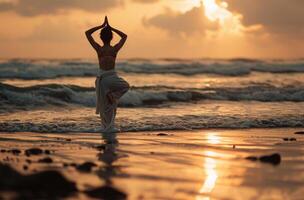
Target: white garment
x,y
109,88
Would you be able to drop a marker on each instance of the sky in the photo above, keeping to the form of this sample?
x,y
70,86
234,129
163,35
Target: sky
x,y
155,28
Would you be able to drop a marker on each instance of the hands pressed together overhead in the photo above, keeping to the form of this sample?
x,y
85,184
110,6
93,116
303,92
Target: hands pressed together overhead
x,y
106,22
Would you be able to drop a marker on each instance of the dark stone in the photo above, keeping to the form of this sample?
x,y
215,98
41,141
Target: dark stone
x,y
69,140
274,159
47,151
86,167
45,160
162,134
299,133
33,151
73,164
46,184
28,161
25,167
2,150
106,193
289,139
101,147
15,151
252,158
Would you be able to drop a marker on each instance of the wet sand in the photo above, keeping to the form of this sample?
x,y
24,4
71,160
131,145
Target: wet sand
x,y
200,165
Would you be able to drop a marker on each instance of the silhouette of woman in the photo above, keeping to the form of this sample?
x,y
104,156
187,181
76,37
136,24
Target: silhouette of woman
x,y
109,86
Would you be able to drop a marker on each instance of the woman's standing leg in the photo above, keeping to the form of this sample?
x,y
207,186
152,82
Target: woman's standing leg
x,y
117,88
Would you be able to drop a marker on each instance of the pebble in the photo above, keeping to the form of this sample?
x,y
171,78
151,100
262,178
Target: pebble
x,y
289,139
47,151
106,192
33,151
101,147
15,151
86,167
162,134
273,159
28,161
45,160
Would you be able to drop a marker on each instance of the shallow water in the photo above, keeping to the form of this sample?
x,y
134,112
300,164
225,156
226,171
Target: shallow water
x,y
179,116
59,95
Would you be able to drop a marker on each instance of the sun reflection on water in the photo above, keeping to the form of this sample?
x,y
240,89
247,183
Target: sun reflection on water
x,y
212,138
210,164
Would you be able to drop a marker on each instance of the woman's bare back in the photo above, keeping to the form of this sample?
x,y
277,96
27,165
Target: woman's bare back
x,y
106,54
107,57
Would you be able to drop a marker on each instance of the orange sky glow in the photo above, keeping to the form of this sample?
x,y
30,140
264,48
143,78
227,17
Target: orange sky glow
x,y
156,28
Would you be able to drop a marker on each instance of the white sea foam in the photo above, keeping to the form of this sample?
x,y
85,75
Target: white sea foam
x,y
64,95
173,122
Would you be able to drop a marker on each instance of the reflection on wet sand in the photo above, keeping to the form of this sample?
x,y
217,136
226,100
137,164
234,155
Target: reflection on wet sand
x,y
209,166
106,172
108,156
211,173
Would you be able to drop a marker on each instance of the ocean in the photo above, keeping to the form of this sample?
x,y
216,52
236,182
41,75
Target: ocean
x,y
43,95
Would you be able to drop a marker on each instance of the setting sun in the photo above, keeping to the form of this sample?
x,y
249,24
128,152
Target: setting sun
x,y
216,12
213,10
219,12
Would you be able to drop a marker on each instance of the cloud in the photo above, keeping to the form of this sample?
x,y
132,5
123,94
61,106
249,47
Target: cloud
x,y
276,16
177,23
46,7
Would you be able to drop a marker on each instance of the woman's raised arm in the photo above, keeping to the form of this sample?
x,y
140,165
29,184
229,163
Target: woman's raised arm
x,y
89,33
122,40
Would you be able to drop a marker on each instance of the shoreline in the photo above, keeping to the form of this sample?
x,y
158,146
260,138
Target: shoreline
x,y
185,130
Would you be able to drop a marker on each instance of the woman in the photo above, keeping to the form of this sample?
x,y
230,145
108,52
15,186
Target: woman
x,y
109,86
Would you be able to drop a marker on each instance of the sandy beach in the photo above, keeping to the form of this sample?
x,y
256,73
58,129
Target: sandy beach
x,y
201,165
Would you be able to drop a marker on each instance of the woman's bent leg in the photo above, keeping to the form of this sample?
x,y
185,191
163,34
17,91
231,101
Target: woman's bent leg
x,y
117,88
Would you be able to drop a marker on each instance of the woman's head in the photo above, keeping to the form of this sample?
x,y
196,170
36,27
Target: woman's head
x,y
106,35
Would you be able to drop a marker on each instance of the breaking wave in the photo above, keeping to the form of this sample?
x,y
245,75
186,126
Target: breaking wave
x,y
64,95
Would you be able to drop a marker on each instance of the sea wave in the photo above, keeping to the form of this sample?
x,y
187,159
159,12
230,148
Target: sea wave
x,y
42,69
64,95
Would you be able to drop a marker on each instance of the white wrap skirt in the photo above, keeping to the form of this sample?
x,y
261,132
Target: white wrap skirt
x,y
109,88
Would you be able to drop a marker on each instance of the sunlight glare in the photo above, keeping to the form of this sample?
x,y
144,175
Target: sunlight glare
x,y
211,173
212,138
218,11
